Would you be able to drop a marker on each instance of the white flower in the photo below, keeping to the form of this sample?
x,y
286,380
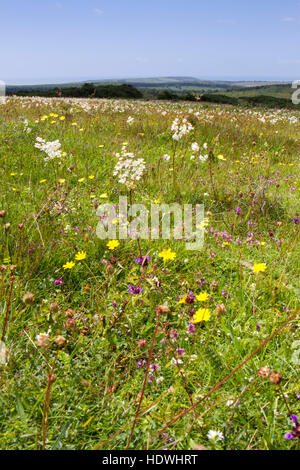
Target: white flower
x,y
203,158
43,340
50,148
128,169
130,120
215,435
180,128
159,380
166,157
195,147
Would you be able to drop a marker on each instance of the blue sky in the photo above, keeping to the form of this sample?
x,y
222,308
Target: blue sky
x,y
48,40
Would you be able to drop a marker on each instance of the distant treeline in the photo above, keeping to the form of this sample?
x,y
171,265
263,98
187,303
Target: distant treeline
x,y
127,91
88,90
260,100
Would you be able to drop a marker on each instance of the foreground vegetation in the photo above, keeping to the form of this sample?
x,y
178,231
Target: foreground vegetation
x,y
125,344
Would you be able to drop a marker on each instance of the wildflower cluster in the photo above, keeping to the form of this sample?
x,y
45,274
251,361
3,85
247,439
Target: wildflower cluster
x,y
129,169
181,127
52,149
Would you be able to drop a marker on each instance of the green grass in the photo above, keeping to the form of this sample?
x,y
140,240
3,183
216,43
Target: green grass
x,y
98,381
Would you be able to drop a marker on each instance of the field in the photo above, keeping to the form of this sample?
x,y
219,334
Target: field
x,y
143,344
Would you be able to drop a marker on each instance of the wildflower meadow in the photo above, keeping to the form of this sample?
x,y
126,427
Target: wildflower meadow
x,y
137,342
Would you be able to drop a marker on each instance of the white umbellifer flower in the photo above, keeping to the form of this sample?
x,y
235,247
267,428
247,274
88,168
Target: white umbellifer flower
x,y
130,120
180,128
195,147
128,169
215,435
42,340
50,148
203,158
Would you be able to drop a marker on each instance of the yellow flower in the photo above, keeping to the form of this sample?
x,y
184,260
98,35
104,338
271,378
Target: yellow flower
x,y
81,180
80,255
69,265
103,196
202,297
182,301
112,244
203,314
221,157
91,177
259,267
167,255
43,181
61,180
62,118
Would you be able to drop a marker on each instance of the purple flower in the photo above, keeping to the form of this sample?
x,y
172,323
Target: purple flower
x,y
226,295
134,290
296,429
59,281
191,328
180,351
190,298
143,260
237,210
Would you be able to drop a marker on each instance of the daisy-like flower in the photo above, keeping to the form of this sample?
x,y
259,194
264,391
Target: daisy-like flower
x,y
112,244
69,265
202,297
259,267
167,255
80,255
215,435
43,340
203,314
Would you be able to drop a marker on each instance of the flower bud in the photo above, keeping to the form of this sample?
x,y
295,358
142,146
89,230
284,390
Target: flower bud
x,y
221,309
60,340
275,378
28,299
264,372
54,307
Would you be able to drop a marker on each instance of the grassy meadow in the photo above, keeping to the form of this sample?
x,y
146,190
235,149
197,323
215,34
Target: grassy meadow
x,y
143,344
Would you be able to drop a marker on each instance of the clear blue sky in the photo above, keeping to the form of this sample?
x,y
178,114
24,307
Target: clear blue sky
x,y
49,40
